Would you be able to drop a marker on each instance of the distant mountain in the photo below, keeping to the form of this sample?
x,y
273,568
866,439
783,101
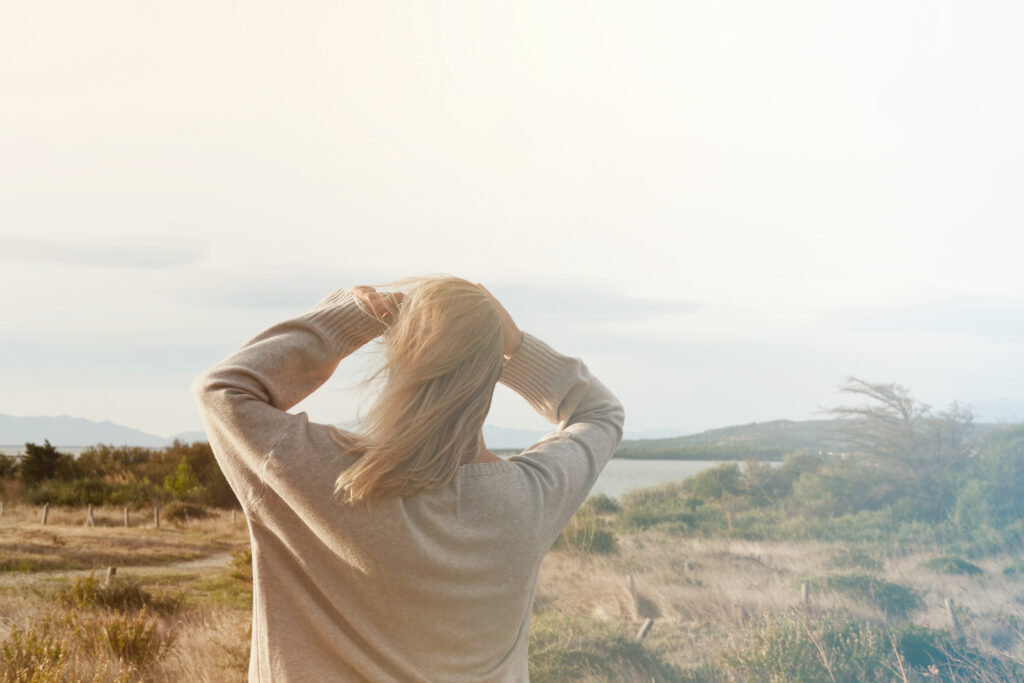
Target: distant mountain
x,y
503,437
76,431
758,440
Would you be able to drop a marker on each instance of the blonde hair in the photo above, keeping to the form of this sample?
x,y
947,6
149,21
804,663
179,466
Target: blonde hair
x,y
442,359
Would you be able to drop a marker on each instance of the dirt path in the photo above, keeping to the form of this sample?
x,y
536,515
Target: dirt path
x,y
203,565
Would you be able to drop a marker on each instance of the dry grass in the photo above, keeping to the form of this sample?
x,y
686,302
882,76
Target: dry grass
x,y
65,542
703,594
204,638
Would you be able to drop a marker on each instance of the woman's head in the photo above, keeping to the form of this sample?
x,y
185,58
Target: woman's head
x,y
442,358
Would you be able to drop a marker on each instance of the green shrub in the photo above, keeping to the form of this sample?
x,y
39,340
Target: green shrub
x,y
82,492
579,648
783,650
135,639
241,566
36,653
856,557
891,598
950,659
644,512
122,647
587,534
8,466
602,504
121,594
948,564
715,482
1015,568
850,652
179,511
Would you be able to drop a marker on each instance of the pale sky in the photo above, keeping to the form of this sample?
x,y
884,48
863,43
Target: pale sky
x,y
723,208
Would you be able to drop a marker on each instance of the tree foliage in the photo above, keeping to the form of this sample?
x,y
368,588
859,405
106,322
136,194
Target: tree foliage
x,y
118,475
44,462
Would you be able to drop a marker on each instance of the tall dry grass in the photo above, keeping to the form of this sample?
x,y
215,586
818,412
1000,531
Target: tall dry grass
x,y
709,599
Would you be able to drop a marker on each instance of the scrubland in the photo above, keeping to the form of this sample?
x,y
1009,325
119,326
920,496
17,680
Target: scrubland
x,y
178,607
899,561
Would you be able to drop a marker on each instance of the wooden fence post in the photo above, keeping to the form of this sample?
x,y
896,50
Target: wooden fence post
x,y
46,512
954,623
645,629
111,571
805,593
156,515
126,517
634,595
90,520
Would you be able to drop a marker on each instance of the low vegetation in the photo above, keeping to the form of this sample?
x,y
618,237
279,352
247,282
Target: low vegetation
x,y
896,558
117,476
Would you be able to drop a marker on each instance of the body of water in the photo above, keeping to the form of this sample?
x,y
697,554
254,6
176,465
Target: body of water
x,y
623,475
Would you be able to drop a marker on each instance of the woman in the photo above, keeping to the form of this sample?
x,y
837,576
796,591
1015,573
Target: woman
x,y
407,551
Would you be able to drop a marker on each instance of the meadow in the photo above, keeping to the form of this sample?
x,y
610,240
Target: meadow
x,y
178,607
897,560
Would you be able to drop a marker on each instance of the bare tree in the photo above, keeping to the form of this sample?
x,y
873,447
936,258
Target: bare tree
x,y
902,434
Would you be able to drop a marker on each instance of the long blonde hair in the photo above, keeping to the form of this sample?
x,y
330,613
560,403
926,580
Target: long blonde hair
x,y
442,359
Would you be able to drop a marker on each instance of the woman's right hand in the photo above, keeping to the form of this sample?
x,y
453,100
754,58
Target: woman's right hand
x,y
511,335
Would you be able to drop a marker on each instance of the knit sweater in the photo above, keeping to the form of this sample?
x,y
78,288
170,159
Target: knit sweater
x,y
436,586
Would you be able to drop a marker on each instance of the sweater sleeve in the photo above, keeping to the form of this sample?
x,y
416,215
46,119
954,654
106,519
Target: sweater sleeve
x,y
565,464
243,399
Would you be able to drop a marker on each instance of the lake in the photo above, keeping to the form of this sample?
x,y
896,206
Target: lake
x,y
623,475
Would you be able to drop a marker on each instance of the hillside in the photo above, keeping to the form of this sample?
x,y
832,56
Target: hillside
x,y
758,440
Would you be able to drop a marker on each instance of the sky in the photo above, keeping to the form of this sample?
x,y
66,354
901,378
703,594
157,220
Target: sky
x,y
724,208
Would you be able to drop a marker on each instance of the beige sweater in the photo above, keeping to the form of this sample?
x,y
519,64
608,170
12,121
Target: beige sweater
x,y
433,587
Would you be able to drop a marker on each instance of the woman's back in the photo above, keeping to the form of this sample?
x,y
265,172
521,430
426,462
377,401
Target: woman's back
x,y
432,586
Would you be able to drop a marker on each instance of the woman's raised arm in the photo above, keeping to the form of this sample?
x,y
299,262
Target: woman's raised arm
x,y
244,398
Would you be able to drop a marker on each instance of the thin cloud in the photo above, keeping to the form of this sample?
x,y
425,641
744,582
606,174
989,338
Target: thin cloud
x,y
951,313
540,303
589,306
154,254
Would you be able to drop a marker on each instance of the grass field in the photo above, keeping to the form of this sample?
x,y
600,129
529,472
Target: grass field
x,y
179,606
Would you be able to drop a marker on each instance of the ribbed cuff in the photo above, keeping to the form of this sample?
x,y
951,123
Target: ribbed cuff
x,y
345,321
535,372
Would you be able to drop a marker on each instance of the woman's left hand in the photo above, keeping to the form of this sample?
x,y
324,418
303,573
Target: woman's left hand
x,y
383,306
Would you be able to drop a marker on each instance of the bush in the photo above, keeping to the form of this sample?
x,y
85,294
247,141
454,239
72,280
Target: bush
x,y
179,511
51,649
782,650
953,565
122,594
587,534
241,566
572,649
856,557
715,483
891,598
37,653
44,462
602,504
1015,568
82,492
135,639
8,466
645,508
